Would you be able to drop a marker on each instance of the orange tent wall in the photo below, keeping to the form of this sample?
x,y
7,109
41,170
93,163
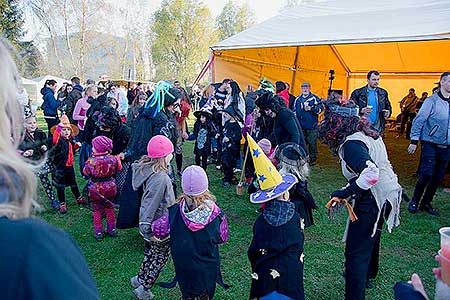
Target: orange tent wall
x,y
402,65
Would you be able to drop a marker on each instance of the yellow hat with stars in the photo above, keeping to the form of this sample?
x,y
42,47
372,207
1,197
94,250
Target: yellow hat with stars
x,y
271,183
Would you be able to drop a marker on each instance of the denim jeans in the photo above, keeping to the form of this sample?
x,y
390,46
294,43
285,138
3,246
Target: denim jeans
x,y
433,163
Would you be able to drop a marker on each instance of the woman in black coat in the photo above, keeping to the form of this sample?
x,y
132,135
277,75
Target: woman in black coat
x,y
286,127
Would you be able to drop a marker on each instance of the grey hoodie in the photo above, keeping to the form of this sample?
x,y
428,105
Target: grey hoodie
x,y
158,195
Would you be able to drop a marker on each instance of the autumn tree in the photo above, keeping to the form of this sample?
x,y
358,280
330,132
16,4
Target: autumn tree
x,y
28,58
74,30
182,33
234,19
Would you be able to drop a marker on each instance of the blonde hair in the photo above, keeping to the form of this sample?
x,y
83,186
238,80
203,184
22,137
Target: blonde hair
x,y
90,87
157,164
209,91
16,175
197,201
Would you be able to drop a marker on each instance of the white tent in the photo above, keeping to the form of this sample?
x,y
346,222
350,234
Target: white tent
x,y
408,41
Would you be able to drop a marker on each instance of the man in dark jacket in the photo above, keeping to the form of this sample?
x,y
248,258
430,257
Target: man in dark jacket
x,y
69,103
307,108
373,101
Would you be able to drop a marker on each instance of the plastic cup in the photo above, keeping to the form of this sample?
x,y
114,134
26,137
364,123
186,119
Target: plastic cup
x,y
445,241
445,268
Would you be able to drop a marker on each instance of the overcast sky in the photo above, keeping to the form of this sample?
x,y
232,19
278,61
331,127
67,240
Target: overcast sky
x,y
263,9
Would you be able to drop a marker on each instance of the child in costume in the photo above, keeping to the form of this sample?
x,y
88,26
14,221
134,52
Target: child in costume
x,y
197,227
101,169
276,250
231,145
151,173
34,147
62,155
203,133
292,159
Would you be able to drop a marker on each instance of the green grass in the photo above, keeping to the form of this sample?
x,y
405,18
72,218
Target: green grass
x,y
410,248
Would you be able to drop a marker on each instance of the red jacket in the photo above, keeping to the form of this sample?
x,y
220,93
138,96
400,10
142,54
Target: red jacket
x,y
285,95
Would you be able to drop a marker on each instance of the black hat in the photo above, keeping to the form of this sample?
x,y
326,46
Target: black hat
x,y
229,110
263,98
290,153
172,96
108,117
206,111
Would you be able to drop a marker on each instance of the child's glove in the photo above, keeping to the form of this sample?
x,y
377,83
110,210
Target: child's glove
x,y
145,229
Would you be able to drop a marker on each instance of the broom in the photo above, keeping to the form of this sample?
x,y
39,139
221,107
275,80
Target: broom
x,y
240,186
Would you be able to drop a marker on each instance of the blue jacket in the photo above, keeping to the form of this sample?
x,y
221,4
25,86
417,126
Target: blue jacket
x,y
308,119
50,104
432,123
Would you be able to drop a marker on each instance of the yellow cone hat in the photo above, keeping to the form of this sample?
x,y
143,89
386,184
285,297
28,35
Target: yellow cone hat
x,y
266,173
271,183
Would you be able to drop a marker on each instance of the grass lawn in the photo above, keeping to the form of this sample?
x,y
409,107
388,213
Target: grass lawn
x,y
410,248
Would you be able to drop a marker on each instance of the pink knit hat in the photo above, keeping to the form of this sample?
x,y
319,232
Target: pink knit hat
x,y
194,181
265,145
102,144
159,146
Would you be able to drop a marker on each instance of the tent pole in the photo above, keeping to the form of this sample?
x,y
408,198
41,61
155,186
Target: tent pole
x,y
339,57
348,84
295,70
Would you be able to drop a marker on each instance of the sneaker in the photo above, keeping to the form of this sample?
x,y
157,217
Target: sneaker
x,y
226,184
413,207
218,167
142,294
55,204
81,200
63,208
429,209
112,233
135,282
98,236
237,170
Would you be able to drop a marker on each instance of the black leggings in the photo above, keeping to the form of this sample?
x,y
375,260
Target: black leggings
x,y
62,195
204,160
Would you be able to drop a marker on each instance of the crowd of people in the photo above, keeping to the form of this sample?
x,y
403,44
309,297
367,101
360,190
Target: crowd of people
x,y
128,141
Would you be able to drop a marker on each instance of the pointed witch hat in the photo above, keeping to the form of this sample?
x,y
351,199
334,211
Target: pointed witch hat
x,y
206,110
271,183
65,123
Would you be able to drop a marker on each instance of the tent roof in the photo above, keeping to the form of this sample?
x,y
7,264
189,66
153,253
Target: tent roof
x,y
59,80
348,22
